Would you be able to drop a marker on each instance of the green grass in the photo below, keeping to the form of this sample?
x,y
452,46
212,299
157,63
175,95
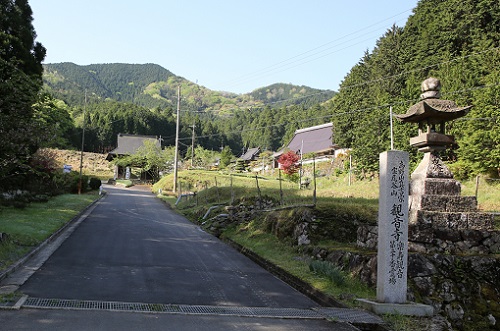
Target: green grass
x,y
124,182
338,205
329,189
289,259
488,193
30,226
219,187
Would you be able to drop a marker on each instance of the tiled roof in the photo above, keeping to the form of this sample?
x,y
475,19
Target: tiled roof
x,y
313,139
250,154
129,144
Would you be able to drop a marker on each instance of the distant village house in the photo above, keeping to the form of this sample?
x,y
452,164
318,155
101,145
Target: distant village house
x,y
243,163
315,139
251,154
128,144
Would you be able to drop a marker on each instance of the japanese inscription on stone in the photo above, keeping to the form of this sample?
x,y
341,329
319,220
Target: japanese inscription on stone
x,y
396,245
392,253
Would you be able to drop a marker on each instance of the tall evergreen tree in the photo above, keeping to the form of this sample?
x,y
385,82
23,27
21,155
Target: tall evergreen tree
x,y
456,41
20,81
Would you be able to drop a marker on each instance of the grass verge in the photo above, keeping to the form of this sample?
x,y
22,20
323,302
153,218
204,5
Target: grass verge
x,y
290,259
26,228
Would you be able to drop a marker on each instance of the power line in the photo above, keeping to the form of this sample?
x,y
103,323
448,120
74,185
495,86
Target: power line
x,y
296,63
399,74
304,55
361,110
370,82
366,83
421,69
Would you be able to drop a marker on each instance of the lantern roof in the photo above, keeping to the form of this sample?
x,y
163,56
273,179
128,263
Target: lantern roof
x,y
431,109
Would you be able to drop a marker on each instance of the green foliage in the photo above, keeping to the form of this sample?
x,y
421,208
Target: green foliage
x,y
294,178
152,86
94,183
329,270
204,158
105,120
110,109
226,157
151,158
289,93
53,124
20,81
117,81
241,166
455,41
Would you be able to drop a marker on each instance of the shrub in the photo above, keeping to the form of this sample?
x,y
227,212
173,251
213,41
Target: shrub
x,y
327,269
40,198
289,162
461,170
68,182
292,177
94,183
76,183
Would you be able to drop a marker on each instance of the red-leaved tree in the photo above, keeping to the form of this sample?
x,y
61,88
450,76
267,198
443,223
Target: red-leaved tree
x,y
289,162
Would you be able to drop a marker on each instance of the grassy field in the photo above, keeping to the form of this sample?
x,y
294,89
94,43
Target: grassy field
x,y
28,227
209,184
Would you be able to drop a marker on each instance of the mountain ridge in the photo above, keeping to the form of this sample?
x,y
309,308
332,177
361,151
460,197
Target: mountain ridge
x,y
150,85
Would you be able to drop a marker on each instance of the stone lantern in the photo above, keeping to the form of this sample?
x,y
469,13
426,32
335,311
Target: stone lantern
x,y
432,187
431,114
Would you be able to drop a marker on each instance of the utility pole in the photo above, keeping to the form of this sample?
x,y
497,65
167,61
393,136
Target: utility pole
x,y
392,132
192,145
83,141
300,169
177,126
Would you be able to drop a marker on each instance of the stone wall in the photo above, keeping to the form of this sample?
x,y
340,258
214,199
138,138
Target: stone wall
x,y
430,240
453,270
457,271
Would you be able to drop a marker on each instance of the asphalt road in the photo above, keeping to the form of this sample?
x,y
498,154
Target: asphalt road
x,y
133,249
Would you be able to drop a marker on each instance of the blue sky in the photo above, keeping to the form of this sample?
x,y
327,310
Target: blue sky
x,y
224,45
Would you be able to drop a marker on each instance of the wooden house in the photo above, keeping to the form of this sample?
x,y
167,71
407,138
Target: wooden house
x,y
128,144
316,139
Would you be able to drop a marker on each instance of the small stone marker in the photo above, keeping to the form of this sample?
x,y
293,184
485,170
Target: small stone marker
x,y
392,258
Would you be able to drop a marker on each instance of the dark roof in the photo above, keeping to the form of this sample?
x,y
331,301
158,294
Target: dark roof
x,y
128,144
433,111
311,140
251,154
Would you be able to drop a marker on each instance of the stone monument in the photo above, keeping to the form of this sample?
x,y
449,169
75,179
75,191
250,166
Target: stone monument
x,y
392,255
433,187
392,252
438,220
436,203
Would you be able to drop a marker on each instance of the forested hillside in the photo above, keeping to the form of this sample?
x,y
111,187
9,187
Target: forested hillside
x,y
120,82
290,94
153,86
455,41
